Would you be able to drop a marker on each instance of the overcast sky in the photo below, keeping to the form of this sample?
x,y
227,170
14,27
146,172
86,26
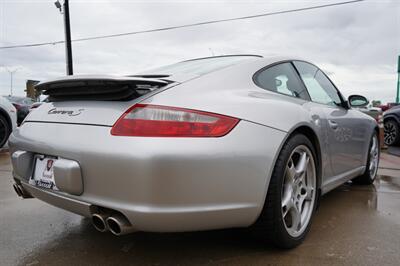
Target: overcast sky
x,y
357,45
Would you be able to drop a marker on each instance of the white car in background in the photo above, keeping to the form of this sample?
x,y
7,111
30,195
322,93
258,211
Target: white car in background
x,y
8,120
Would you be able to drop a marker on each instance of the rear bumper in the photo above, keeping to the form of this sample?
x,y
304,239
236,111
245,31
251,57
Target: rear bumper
x,y
159,184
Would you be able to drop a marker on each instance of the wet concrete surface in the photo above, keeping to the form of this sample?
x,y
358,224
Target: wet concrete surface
x,y
355,225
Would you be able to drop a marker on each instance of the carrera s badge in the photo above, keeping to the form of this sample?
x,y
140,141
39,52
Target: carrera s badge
x,y
54,111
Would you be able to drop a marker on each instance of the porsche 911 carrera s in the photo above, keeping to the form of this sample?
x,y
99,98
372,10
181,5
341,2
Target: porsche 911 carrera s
x,y
209,143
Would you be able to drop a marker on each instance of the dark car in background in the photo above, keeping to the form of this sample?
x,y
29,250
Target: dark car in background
x,y
23,106
387,106
391,120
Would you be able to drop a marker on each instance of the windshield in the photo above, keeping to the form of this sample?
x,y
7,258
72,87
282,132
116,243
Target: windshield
x,y
200,66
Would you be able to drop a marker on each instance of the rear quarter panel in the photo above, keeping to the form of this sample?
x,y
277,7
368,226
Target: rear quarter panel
x,y
231,91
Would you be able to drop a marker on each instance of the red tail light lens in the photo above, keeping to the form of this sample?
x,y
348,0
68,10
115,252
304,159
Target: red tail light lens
x,y
146,120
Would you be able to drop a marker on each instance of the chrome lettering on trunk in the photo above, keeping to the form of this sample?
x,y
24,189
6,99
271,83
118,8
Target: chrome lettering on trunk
x,y
54,111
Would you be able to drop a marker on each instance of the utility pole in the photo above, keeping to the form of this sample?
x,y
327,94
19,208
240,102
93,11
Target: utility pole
x,y
68,46
67,28
398,81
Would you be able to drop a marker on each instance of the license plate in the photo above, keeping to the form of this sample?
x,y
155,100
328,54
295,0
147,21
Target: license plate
x,y
43,176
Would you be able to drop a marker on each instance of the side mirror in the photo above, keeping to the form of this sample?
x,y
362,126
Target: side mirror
x,y
358,101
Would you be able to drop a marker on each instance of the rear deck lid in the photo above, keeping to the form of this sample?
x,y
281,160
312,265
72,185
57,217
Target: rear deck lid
x,y
94,100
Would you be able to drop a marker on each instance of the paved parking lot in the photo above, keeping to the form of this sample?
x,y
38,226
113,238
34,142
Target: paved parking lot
x,y
355,225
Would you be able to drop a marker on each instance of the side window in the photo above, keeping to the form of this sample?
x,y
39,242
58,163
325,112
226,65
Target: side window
x,y
283,79
320,89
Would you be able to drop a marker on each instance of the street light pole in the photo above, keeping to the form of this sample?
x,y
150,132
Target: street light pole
x,y
64,9
398,81
11,79
11,82
68,46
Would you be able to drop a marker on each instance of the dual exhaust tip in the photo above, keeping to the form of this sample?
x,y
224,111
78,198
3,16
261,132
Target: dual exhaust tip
x,y
116,223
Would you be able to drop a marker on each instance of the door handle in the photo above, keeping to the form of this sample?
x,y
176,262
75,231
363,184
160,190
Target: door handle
x,y
333,124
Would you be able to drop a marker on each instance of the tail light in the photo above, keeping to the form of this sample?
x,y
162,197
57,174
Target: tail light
x,y
162,121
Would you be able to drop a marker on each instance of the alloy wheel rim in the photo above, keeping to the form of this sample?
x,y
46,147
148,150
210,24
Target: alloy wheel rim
x,y
298,191
374,157
390,133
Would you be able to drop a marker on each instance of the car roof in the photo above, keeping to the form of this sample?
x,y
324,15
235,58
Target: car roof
x,y
267,58
253,61
219,56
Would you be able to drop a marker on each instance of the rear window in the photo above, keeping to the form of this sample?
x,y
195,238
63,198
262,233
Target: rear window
x,y
199,66
281,78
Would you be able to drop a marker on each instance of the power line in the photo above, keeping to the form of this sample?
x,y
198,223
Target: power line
x,y
182,26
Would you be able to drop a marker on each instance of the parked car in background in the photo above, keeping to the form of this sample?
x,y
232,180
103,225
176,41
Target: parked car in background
x,y
22,104
387,106
196,145
391,120
37,104
374,112
360,104
8,120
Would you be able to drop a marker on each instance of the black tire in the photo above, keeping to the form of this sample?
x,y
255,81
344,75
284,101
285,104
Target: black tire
x,y
270,226
368,178
392,132
5,131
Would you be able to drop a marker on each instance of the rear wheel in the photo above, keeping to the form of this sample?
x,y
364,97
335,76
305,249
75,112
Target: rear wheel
x,y
391,132
291,197
372,163
4,131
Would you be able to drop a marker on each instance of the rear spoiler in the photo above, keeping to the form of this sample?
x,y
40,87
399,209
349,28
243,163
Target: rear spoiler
x,y
101,88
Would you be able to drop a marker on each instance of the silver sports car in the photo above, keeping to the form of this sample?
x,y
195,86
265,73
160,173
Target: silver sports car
x,y
218,142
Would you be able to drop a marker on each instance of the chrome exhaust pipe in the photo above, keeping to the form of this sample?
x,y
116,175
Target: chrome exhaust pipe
x,y
99,221
119,225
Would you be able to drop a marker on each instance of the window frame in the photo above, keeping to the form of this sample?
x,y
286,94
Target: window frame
x,y
300,80
343,102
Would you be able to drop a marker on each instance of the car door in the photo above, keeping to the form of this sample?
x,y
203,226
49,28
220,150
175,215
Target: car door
x,y
345,132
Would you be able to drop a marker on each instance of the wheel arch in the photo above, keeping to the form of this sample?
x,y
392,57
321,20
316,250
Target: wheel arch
x,y
308,131
312,136
7,116
391,117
